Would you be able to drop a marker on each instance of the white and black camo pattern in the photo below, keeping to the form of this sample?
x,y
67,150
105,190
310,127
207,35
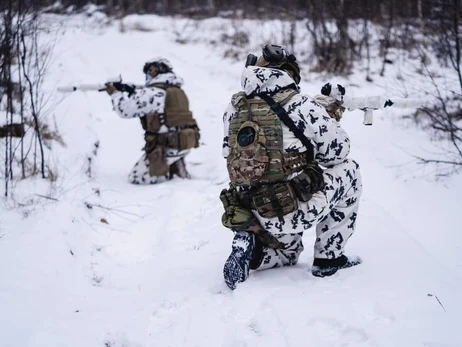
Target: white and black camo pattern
x,y
146,100
333,211
139,104
256,80
273,258
330,141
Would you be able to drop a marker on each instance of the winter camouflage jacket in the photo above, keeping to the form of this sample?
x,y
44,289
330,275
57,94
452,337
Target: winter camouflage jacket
x,y
147,100
331,143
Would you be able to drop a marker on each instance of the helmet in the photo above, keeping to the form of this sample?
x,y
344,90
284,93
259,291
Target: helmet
x,y
161,64
276,57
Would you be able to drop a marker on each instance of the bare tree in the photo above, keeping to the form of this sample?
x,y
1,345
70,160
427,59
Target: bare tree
x,y
445,117
7,86
23,63
328,25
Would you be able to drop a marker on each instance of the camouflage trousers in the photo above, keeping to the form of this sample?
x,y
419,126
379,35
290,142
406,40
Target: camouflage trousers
x,y
175,160
332,212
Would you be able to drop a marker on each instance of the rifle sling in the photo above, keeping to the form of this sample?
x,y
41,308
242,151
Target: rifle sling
x,y
284,117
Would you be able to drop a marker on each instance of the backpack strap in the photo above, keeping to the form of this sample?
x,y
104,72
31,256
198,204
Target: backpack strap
x,y
284,117
163,86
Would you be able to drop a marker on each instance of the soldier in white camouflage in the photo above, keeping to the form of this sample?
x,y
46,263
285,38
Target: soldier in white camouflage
x,y
287,159
170,129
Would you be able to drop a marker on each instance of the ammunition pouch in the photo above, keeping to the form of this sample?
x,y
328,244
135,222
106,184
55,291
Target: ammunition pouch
x,y
238,217
182,139
274,200
150,122
188,138
178,118
235,216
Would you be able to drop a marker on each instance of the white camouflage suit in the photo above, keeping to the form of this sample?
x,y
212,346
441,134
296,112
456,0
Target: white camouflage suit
x,y
142,102
334,209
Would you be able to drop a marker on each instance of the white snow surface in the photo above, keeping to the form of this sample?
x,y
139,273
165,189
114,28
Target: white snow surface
x,y
143,266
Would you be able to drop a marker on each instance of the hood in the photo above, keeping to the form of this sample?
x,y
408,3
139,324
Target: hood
x,y
168,78
256,80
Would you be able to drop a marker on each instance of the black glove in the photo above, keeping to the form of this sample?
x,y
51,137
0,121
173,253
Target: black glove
x,y
122,87
309,182
314,172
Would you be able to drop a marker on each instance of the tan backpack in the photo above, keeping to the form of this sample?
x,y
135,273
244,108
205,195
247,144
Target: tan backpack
x,y
255,139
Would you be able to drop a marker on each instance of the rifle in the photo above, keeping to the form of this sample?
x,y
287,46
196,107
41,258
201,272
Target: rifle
x,y
368,104
82,88
116,82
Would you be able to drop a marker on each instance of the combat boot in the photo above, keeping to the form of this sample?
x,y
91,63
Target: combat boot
x,y
237,266
327,267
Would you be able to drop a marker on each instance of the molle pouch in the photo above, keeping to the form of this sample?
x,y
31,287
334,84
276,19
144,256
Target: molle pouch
x,y
188,138
225,197
235,216
248,160
150,142
302,187
228,198
275,200
173,140
178,118
152,122
157,163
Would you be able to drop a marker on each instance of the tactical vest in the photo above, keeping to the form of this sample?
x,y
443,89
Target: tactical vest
x,y
176,115
258,166
255,139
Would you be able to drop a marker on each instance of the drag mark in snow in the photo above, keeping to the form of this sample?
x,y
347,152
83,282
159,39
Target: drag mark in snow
x,y
197,246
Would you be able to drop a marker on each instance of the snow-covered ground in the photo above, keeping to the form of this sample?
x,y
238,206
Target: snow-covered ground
x,y
110,264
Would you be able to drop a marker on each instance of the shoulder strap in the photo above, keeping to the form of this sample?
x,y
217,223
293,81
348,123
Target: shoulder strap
x,y
284,117
164,86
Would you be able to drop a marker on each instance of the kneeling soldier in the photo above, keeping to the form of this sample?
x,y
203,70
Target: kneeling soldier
x,y
170,129
275,142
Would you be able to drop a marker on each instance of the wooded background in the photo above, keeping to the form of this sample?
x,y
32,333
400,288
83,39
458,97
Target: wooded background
x,y
342,33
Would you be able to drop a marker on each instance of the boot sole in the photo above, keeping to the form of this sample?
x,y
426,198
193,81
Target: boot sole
x,y
233,272
329,271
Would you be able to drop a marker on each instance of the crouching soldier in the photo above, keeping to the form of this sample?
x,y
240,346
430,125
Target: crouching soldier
x,y
287,159
170,129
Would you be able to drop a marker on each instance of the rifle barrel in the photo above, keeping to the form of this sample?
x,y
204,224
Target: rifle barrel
x,y
82,87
